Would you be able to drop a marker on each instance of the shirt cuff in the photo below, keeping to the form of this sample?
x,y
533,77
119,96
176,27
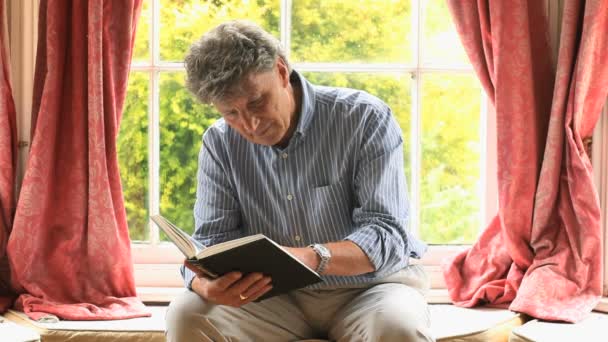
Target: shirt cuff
x,y
375,246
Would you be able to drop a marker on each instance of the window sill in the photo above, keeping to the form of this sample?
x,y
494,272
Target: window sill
x,y
158,266
158,279
602,306
158,295
167,294
434,296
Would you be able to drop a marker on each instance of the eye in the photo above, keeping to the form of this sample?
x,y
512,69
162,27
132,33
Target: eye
x,y
231,114
257,103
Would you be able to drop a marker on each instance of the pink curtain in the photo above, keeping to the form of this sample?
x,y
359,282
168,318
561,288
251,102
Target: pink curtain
x,y
542,253
69,250
8,162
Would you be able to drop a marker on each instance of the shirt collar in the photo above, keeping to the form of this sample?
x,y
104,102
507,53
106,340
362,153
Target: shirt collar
x,y
308,100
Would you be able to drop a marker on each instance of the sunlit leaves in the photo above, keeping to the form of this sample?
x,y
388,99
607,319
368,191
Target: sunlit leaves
x,y
351,31
133,154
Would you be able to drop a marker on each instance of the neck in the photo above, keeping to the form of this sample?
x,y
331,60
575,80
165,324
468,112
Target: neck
x,y
296,105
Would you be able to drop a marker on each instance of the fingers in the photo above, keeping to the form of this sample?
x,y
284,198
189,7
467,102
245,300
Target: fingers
x,y
215,290
235,290
257,294
250,287
227,280
193,268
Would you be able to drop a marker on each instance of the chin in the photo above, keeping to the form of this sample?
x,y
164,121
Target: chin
x,y
266,141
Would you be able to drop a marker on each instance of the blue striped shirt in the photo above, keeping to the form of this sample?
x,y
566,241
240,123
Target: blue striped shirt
x,y
341,177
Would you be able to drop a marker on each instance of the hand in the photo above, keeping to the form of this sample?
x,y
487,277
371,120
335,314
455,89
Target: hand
x,y
306,255
232,289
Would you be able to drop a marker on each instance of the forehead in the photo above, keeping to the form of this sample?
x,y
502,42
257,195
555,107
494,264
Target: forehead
x,y
250,86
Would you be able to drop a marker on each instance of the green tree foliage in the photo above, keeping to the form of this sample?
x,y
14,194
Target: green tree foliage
x,y
449,191
361,31
133,154
351,31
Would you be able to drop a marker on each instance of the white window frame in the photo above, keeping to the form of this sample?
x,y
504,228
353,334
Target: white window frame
x,y
599,155
155,263
23,37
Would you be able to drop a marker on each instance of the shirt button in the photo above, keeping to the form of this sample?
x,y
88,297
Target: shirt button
x,y
289,197
284,155
297,237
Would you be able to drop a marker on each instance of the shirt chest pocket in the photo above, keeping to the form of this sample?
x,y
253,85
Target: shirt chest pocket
x,y
330,210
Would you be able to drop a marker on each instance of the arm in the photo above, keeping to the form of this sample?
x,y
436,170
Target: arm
x,y
346,258
382,218
379,244
218,219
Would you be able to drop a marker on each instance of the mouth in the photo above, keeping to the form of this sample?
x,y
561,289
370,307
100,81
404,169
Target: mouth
x,y
262,132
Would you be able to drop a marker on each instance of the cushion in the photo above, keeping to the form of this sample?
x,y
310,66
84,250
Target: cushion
x,y
145,329
12,332
449,324
593,328
456,324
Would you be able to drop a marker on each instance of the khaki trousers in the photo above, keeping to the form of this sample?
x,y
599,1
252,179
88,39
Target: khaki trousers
x,y
385,311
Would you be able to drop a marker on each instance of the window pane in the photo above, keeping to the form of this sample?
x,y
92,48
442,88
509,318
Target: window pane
x,y
450,183
440,42
184,21
394,89
133,155
182,123
141,49
351,31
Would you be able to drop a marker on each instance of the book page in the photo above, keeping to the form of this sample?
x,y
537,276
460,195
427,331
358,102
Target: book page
x,y
220,247
184,242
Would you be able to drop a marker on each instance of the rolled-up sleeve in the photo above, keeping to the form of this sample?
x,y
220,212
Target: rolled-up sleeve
x,y
217,214
381,217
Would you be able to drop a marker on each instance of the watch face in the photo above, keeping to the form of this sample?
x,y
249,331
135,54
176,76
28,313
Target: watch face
x,y
324,252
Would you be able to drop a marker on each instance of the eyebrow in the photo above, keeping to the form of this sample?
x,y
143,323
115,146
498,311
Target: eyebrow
x,y
256,99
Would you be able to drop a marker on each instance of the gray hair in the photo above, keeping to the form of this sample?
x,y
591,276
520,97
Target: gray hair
x,y
222,57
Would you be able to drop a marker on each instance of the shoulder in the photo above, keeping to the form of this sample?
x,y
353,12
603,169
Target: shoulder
x,y
355,108
217,137
349,102
217,133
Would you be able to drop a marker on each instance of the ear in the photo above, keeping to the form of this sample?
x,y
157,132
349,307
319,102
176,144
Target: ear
x,y
283,71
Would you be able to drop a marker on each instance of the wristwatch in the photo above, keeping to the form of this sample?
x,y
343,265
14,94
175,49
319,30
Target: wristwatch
x,y
323,253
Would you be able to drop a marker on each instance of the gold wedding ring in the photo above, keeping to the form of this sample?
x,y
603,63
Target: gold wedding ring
x,y
242,297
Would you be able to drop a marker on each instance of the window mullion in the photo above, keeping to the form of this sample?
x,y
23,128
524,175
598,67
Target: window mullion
x,y
23,37
155,34
416,124
286,7
154,124
488,206
599,156
154,153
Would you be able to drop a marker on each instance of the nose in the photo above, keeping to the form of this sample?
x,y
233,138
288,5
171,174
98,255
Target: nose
x,y
251,123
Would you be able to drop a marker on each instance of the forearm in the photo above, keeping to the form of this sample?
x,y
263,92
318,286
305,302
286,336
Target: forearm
x,y
347,259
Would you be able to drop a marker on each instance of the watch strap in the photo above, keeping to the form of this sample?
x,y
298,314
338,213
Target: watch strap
x,y
324,256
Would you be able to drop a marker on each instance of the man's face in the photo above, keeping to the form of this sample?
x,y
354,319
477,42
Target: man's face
x,y
262,109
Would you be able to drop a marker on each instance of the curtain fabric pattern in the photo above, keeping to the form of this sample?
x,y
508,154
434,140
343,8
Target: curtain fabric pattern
x,y
542,253
8,160
69,250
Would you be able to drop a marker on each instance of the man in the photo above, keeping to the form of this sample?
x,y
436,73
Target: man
x,y
320,171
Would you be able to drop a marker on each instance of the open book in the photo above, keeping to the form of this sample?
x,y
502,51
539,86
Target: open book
x,y
255,253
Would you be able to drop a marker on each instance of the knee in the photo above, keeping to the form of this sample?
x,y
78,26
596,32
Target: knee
x,y
178,316
389,326
184,317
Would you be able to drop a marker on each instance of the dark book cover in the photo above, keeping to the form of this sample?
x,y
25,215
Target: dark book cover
x,y
263,256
